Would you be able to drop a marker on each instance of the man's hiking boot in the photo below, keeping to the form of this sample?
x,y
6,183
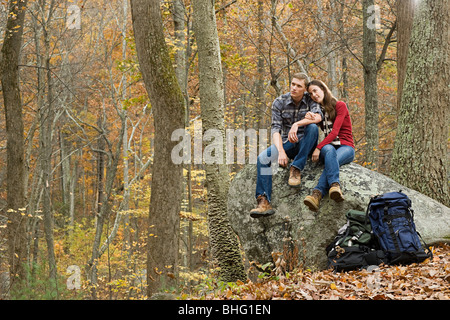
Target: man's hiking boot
x,y
335,192
263,208
313,201
294,177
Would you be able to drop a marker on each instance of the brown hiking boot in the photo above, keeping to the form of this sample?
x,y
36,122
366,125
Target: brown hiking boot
x,y
263,208
313,201
294,177
335,192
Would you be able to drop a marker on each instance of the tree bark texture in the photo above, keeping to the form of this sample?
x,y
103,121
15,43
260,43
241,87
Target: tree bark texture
x,y
9,68
46,118
168,107
370,85
420,156
405,17
183,50
223,241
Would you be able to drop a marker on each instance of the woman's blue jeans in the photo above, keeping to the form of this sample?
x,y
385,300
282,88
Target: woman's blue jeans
x,y
333,157
297,151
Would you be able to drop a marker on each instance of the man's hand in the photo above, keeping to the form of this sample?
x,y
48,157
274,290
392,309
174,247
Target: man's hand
x,y
283,159
315,155
292,135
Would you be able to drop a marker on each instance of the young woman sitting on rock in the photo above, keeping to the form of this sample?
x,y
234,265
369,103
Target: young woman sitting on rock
x,y
336,149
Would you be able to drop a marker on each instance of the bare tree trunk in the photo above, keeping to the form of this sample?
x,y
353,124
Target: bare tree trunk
x,y
370,85
223,241
35,189
65,157
113,157
341,28
290,51
182,45
45,154
327,39
332,59
126,148
405,17
168,105
9,68
420,156
179,22
100,164
260,91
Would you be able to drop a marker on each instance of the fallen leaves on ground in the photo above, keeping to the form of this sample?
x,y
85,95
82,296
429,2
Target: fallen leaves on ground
x,y
429,280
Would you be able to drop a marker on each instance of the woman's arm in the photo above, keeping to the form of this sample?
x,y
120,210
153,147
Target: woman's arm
x,y
341,113
309,118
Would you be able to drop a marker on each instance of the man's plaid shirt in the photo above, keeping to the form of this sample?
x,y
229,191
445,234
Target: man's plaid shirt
x,y
285,113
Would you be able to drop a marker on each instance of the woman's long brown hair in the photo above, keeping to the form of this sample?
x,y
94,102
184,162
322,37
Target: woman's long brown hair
x,y
329,101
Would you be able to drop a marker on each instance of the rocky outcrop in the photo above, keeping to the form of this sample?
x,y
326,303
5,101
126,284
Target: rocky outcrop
x,y
303,234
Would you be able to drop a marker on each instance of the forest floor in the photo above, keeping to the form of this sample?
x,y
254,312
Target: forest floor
x,y
429,280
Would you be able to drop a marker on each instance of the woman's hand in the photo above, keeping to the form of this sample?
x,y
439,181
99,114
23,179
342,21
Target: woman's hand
x,y
313,117
310,116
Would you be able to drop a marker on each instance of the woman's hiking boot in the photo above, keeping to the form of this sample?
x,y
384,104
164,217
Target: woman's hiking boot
x,y
313,201
335,192
263,209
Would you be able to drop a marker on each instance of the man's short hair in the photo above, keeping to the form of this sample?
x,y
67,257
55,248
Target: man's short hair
x,y
301,76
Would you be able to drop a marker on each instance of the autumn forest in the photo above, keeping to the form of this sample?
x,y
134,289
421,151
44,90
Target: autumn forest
x,y
92,205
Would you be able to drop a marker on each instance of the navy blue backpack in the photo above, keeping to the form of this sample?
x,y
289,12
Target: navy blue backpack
x,y
392,220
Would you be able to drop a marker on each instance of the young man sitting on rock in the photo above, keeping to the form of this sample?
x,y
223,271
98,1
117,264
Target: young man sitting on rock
x,y
294,137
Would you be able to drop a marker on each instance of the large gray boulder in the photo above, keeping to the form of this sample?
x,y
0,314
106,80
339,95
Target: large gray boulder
x,y
302,234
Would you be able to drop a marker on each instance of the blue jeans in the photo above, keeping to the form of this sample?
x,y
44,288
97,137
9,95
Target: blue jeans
x,y
333,157
297,151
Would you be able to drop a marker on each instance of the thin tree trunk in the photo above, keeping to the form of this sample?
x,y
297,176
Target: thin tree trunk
x,y
100,165
182,45
45,154
260,91
289,50
105,208
327,36
370,85
341,28
66,174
